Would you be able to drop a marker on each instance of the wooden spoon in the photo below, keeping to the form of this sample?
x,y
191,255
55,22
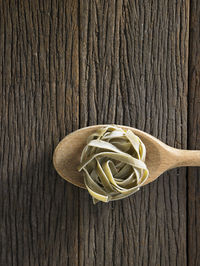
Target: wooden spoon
x,y
159,157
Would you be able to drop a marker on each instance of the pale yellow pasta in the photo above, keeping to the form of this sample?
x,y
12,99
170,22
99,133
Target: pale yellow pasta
x,y
113,162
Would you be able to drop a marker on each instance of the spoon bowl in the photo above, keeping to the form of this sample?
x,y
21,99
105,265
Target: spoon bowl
x,y
159,156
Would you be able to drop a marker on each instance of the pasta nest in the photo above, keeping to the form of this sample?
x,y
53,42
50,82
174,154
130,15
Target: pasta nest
x,y
113,162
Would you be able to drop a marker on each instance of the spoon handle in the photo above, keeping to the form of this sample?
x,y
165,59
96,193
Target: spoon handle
x,y
187,157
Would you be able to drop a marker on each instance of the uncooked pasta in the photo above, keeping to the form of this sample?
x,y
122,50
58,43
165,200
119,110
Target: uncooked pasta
x,y
113,162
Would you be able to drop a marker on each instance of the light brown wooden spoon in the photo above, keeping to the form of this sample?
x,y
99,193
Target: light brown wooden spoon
x,y
159,157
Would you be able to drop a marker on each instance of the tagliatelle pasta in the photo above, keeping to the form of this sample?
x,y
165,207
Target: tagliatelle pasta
x,y
113,162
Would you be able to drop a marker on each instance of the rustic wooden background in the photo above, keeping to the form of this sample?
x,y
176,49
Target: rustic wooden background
x,y
68,64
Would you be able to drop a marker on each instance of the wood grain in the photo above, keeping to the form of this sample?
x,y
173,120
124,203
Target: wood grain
x,y
69,64
133,71
39,105
194,136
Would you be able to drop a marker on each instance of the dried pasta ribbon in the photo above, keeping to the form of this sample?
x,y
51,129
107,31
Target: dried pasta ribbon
x,y
113,162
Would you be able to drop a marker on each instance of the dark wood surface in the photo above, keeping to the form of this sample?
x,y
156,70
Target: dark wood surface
x,y
194,135
68,64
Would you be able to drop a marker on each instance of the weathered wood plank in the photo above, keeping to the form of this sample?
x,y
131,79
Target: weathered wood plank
x,y
133,71
194,136
39,104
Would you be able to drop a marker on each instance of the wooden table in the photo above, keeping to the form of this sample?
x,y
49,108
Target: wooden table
x,y
69,64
